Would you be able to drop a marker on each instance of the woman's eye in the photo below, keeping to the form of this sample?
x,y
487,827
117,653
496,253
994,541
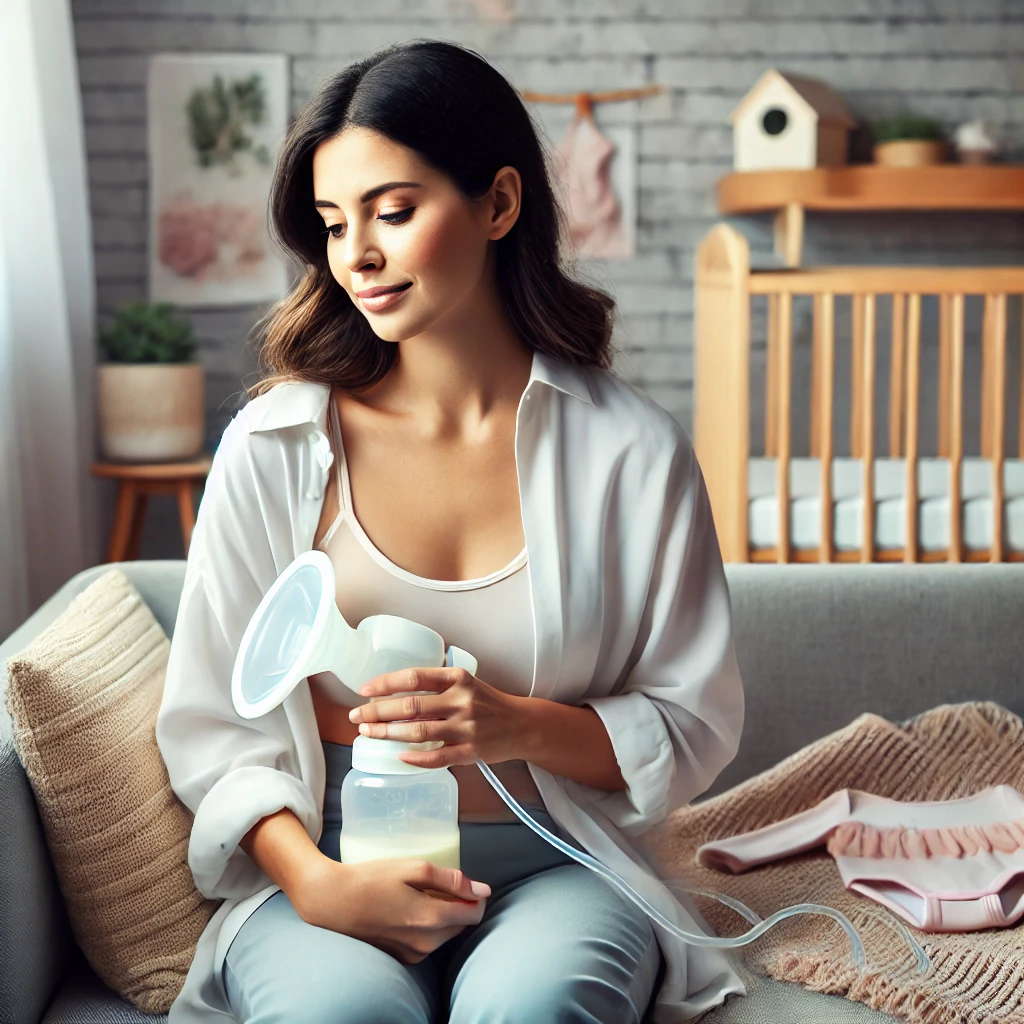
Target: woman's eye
x,y
397,218
391,218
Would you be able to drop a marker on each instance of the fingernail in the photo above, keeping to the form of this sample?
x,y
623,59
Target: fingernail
x,y
365,691
353,715
480,888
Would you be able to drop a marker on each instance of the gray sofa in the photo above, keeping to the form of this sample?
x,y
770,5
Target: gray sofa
x,y
817,646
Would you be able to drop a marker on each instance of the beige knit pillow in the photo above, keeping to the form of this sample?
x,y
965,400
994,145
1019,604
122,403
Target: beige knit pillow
x,y
83,697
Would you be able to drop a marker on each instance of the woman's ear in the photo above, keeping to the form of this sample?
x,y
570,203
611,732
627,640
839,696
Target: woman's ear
x,y
502,203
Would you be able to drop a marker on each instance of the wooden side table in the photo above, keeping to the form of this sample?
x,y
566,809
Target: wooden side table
x,y
135,483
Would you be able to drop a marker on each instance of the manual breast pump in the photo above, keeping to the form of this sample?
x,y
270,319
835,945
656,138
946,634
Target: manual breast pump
x,y
389,808
393,809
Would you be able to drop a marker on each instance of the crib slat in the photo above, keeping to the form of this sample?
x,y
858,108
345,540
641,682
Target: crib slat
x,y
913,399
987,378
826,381
815,432
897,365
956,426
784,390
945,319
771,377
1020,403
867,544
998,396
856,372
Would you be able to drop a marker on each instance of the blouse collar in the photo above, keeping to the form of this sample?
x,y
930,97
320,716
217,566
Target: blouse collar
x,y
293,403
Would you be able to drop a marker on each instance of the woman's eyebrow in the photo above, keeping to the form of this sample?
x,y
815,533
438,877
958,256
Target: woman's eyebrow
x,y
373,192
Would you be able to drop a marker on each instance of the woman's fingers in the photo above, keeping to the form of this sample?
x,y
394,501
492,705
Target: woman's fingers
x,y
444,757
419,731
408,679
401,709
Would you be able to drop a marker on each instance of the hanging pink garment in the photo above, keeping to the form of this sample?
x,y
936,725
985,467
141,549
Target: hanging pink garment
x,y
940,865
581,162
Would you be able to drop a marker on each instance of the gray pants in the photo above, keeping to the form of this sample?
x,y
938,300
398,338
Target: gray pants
x,y
556,944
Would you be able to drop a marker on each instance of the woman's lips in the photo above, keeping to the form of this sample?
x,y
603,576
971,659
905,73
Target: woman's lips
x,y
388,299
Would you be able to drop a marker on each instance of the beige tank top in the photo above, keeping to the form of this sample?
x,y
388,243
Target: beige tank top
x,y
491,617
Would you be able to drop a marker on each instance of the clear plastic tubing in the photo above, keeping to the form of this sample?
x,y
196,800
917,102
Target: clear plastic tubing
x,y
699,938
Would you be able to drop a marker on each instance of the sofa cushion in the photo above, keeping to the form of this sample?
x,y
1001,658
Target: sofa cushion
x,y
778,1002
820,644
83,999
83,698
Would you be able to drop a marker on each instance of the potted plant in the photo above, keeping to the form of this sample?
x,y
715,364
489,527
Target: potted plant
x,y
151,396
909,140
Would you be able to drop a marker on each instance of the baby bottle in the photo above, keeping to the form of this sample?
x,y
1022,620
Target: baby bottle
x,y
390,808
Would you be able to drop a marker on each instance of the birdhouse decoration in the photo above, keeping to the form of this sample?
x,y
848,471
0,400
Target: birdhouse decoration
x,y
789,122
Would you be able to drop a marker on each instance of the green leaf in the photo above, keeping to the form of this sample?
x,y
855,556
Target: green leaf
x,y
148,332
907,125
218,116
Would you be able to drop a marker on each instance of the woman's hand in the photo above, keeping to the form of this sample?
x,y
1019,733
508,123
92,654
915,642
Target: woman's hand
x,y
385,903
475,720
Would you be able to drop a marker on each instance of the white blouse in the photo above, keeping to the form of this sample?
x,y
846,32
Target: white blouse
x,y
631,616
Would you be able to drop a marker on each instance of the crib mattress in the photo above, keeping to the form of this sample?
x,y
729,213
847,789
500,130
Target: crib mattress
x,y
933,504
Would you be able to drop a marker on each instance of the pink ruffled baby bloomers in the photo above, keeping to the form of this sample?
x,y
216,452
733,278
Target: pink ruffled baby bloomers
x,y
940,865
856,839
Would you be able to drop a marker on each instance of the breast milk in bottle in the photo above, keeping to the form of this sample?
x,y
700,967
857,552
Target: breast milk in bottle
x,y
392,809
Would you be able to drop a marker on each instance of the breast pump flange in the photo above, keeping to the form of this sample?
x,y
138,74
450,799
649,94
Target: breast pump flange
x,y
298,630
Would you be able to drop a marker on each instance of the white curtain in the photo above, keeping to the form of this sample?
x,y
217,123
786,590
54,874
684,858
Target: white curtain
x,y
48,507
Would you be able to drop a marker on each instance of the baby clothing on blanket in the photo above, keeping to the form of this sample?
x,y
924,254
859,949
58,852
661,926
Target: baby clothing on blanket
x,y
940,865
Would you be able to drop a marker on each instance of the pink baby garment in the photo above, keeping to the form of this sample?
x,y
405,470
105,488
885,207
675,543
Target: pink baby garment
x,y
940,865
581,168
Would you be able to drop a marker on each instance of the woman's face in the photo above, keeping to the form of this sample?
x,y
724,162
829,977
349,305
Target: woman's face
x,y
393,221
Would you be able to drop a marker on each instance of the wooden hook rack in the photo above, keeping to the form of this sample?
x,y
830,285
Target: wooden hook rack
x,y
584,100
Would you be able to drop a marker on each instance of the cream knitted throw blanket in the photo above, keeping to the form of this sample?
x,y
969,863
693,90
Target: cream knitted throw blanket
x,y
951,751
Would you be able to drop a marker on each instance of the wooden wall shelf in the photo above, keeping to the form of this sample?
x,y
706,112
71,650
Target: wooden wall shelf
x,y
869,187
866,187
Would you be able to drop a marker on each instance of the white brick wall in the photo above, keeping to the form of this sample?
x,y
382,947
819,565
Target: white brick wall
x,y
948,58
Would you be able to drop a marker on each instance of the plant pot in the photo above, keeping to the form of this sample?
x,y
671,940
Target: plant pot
x,y
151,412
975,157
910,152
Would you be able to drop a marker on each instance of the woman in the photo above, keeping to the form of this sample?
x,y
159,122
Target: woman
x,y
493,480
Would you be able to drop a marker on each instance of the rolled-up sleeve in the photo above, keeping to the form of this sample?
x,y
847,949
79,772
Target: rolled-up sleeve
x,y
676,721
230,772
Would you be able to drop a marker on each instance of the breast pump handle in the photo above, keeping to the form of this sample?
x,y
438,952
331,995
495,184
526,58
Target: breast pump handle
x,y
298,630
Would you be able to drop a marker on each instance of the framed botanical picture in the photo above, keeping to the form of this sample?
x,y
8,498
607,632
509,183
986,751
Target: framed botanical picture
x,y
215,124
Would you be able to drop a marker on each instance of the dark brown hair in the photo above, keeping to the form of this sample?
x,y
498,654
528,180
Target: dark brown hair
x,y
463,117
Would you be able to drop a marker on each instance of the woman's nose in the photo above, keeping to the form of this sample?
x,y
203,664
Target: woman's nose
x,y
360,251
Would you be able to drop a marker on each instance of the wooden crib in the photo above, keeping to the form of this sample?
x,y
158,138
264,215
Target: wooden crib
x,y
926,499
